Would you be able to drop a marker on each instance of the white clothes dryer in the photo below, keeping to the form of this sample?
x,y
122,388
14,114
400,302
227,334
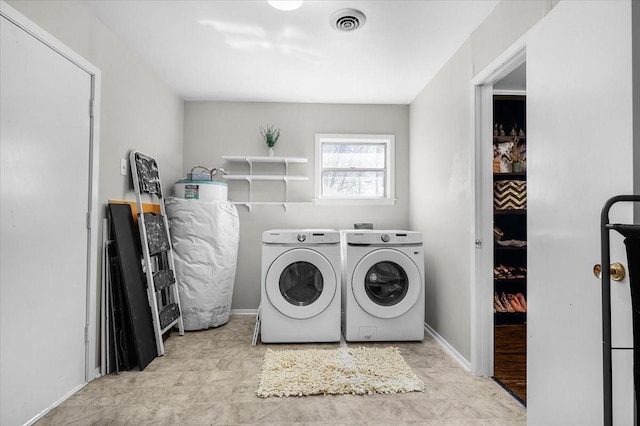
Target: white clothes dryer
x,y
300,291
383,293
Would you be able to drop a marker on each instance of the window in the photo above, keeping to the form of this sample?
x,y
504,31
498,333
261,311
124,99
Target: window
x,y
354,169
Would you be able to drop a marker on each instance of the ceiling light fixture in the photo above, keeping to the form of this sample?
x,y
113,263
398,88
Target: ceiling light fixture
x,y
285,4
348,20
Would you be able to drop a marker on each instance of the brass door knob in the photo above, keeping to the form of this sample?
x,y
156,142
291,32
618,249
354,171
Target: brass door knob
x,y
616,271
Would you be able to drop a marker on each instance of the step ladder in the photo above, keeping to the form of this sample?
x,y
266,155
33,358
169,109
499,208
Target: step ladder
x,y
162,289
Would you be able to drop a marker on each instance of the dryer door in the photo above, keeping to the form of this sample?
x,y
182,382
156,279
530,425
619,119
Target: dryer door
x,y
386,283
301,283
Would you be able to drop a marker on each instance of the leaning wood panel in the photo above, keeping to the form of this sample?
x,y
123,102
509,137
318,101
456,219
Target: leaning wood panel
x,y
130,257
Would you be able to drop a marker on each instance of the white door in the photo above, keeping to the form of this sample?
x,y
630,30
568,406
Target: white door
x,y
580,151
45,163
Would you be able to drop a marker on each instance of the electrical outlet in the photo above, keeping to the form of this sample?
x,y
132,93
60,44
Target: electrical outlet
x,y
123,166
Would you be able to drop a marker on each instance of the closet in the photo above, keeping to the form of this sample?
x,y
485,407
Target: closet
x,y
510,243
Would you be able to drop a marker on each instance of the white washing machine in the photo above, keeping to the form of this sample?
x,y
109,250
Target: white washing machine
x,y
382,285
300,291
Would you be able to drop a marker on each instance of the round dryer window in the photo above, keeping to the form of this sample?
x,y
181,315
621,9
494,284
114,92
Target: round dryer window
x,y
301,283
386,283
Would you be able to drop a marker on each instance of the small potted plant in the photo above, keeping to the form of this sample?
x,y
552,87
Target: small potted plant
x,y
270,136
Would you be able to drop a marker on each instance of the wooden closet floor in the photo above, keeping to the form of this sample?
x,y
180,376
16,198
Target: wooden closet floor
x,y
510,358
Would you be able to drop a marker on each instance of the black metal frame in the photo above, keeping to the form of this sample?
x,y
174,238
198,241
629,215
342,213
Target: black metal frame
x,y
606,303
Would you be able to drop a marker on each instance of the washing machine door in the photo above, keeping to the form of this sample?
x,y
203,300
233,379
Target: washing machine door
x,y
386,283
301,283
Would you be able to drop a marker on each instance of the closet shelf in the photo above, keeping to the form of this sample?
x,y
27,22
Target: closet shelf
x,y
507,138
509,281
502,176
512,211
510,248
510,318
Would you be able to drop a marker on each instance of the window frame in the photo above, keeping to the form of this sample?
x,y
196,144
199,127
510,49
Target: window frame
x,y
388,140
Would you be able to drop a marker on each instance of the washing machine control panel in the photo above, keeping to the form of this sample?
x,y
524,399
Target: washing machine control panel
x,y
301,236
385,238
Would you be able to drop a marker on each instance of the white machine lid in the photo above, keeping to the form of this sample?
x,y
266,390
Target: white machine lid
x,y
383,237
201,182
301,236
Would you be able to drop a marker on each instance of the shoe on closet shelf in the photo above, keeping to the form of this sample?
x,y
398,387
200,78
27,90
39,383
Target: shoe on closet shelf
x,y
515,302
497,305
504,272
505,302
512,243
521,272
522,300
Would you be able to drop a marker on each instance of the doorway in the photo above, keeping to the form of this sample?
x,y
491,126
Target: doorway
x,y
507,81
510,233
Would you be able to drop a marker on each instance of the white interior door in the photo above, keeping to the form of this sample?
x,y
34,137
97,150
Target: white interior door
x,y
579,103
45,183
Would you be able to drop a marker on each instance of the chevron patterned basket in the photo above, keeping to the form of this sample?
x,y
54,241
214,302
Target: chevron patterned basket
x,y
510,195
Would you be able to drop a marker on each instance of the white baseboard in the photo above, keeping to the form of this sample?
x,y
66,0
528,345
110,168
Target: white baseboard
x,y
448,348
55,404
253,312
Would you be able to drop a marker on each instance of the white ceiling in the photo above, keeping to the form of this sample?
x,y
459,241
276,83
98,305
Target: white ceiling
x,y
245,50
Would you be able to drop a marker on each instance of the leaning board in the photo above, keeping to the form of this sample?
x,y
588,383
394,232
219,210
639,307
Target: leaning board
x,y
127,242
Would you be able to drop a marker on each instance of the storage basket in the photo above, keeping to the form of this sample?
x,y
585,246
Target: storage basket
x,y
510,195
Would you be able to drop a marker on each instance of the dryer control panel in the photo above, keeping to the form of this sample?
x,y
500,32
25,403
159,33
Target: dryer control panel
x,y
382,237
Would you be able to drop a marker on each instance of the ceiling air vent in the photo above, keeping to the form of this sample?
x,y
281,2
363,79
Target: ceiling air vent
x,y
348,20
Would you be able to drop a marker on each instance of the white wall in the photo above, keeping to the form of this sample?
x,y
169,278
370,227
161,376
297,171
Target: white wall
x,y
439,165
214,129
138,111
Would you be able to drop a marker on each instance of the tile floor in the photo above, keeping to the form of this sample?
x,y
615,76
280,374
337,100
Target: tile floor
x,y
210,377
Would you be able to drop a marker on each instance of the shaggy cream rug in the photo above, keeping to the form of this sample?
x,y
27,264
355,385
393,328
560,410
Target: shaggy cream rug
x,y
358,371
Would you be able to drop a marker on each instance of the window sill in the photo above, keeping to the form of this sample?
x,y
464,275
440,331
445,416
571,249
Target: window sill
x,y
355,201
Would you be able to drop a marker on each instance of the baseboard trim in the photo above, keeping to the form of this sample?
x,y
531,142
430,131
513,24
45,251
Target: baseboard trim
x,y
448,348
244,312
55,404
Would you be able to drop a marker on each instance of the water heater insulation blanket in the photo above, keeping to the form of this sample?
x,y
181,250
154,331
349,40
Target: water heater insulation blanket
x,y
205,238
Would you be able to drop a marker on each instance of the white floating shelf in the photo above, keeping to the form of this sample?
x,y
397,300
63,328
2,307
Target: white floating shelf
x,y
263,159
264,177
250,178
285,204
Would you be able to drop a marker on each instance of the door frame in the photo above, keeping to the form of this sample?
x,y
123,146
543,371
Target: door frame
x,y
91,325
482,206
